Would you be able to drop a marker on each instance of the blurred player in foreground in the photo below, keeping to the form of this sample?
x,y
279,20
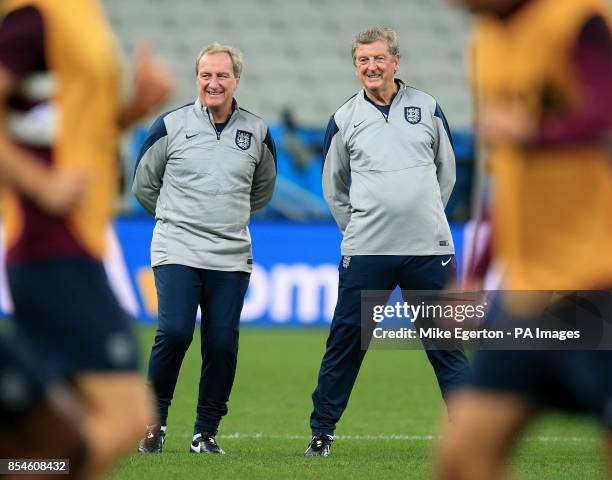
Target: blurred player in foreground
x,y
62,113
28,407
542,74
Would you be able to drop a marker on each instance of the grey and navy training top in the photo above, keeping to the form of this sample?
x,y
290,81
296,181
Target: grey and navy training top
x,y
202,181
388,174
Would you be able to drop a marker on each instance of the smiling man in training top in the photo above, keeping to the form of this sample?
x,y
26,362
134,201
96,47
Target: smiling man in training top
x,y
389,169
204,168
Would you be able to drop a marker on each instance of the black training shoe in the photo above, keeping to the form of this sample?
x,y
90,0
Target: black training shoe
x,y
205,443
153,441
319,446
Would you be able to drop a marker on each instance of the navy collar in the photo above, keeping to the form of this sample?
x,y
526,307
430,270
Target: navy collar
x,y
400,86
206,111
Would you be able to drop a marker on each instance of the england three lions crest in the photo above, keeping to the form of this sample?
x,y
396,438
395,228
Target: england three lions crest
x,y
412,114
243,139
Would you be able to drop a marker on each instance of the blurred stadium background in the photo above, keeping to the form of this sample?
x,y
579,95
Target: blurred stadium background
x,y
298,71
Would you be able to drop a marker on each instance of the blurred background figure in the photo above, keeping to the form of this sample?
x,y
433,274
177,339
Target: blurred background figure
x,y
61,112
542,71
303,153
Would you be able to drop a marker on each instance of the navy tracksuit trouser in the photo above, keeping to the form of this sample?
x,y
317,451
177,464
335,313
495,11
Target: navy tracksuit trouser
x,y
220,295
344,355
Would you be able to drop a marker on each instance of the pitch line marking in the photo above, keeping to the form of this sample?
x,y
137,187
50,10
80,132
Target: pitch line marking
x,y
391,437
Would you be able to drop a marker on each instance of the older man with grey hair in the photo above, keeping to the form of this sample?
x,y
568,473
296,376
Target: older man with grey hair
x,y
389,170
203,169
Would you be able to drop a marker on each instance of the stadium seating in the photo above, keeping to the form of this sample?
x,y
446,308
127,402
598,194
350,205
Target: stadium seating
x,y
297,53
297,58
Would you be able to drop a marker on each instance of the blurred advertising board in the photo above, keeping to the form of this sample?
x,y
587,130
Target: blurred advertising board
x,y
294,280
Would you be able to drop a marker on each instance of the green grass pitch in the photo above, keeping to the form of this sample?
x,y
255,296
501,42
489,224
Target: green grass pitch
x,y
388,431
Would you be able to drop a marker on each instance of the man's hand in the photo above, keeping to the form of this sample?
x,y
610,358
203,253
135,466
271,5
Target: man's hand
x,y
506,123
154,83
63,191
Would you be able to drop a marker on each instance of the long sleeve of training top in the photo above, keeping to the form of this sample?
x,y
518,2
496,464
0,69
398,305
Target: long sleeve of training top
x,y
150,172
202,185
387,178
444,156
336,175
264,176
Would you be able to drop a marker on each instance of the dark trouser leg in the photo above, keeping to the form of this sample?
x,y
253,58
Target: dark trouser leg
x,y
451,368
178,293
343,355
434,273
221,304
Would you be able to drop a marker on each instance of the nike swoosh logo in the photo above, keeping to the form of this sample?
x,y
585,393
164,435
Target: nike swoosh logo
x,y
444,264
357,124
190,136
